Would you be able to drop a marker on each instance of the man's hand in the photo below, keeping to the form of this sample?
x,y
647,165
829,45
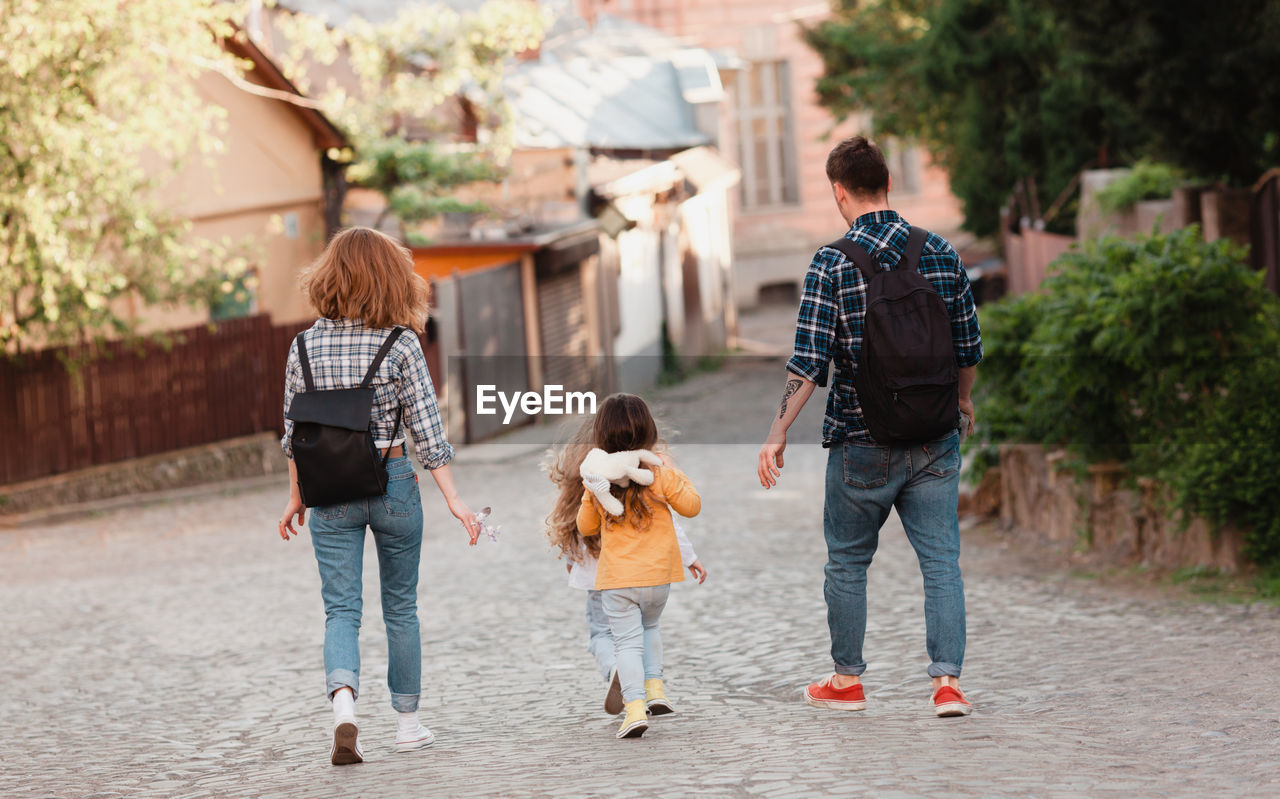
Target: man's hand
x,y
968,375
966,407
770,462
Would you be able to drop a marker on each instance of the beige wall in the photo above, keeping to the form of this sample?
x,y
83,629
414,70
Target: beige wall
x,y
268,173
776,244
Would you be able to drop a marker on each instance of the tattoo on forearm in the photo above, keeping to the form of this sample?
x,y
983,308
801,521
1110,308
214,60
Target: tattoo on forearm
x,y
792,387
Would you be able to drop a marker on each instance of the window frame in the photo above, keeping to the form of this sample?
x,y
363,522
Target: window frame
x,y
781,156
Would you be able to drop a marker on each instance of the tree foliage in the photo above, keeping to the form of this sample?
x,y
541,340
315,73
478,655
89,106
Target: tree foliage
x,y
1022,94
394,87
1162,352
98,104
1199,77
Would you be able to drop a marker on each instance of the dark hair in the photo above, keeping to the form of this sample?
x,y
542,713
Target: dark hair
x,y
859,166
625,423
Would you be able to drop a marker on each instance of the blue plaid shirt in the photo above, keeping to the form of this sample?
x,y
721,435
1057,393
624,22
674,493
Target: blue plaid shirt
x,y
340,351
834,305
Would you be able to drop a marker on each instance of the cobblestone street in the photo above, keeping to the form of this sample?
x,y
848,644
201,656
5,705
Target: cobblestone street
x,y
175,650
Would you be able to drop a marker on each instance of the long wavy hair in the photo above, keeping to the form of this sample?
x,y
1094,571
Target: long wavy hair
x,y
562,523
623,422
366,275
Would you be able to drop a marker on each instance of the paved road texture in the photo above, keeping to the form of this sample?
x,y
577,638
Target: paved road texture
x,y
174,650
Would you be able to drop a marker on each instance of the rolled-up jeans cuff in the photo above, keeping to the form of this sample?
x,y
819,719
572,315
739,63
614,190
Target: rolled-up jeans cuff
x,y
851,671
342,678
944,670
404,703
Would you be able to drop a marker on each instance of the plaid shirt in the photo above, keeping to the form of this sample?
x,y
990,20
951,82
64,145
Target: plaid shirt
x,y
834,305
340,352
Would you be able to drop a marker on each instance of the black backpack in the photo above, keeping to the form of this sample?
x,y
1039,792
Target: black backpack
x,y
333,445
907,378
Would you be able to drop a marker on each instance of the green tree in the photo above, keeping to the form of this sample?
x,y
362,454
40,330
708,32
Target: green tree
x,y
1198,77
399,87
98,104
991,87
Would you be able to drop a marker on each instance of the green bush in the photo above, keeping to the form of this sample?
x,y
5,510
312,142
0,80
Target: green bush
x,y
1162,352
1227,466
1147,180
1000,392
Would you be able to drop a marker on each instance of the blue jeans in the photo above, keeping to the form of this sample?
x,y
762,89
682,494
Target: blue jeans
x,y
337,533
633,618
599,636
922,481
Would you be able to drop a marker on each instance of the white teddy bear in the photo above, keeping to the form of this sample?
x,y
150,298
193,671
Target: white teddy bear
x,y
599,469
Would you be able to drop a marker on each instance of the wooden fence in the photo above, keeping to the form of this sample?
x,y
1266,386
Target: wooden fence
x,y
1027,256
212,384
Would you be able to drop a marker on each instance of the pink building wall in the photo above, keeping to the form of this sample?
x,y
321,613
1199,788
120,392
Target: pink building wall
x,y
773,245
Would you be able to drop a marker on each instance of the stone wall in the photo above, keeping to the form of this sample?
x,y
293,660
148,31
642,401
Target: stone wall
x,y
247,456
1105,513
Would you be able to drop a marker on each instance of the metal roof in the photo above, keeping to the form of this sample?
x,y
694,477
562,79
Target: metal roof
x,y
626,103
619,86
337,12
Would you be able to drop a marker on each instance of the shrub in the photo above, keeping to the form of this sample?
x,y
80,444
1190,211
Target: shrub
x,y
1226,466
1162,352
1147,180
1000,392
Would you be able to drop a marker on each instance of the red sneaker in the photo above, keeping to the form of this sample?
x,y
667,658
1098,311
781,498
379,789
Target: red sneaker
x,y
824,694
949,701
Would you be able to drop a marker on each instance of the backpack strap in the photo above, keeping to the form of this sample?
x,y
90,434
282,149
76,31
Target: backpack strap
x,y
855,253
915,247
373,370
301,341
394,434
382,354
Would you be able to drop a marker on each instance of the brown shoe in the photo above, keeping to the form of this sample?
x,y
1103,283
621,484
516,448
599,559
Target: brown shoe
x,y
613,703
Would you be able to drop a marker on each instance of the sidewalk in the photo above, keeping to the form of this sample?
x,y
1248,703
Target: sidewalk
x,y
174,651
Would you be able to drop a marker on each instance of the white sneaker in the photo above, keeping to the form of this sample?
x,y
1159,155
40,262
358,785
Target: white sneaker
x,y
346,744
417,739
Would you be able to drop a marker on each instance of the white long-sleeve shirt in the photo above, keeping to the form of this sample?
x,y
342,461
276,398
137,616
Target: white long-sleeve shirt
x,y
582,572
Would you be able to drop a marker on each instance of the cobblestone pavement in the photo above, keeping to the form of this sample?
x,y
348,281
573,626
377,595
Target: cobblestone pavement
x,y
175,650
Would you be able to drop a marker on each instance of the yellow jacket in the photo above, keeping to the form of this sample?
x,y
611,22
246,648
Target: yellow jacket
x,y
631,558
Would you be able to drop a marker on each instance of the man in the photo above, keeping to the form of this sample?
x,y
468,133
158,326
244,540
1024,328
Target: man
x,y
866,478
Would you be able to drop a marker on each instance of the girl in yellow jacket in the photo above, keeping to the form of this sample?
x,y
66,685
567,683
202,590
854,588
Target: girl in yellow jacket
x,y
639,554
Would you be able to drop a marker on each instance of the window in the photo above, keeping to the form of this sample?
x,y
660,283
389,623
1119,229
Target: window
x,y
904,166
766,146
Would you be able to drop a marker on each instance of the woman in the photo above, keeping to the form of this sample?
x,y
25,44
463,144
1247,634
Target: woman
x,y
363,285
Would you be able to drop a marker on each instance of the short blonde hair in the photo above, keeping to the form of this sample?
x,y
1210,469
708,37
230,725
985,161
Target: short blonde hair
x,y
366,275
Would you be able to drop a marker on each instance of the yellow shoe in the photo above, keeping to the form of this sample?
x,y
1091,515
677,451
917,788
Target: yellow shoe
x,y
655,699
635,723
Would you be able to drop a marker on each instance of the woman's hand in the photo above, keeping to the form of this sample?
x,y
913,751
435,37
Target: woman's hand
x,y
463,514
666,459
698,570
293,508
444,481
